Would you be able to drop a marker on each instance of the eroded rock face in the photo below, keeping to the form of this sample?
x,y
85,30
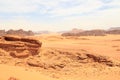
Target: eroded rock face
x,y
20,47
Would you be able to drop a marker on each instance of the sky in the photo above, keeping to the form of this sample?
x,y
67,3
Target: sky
x,y
59,15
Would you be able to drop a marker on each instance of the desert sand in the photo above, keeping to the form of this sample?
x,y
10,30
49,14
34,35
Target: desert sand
x,y
66,58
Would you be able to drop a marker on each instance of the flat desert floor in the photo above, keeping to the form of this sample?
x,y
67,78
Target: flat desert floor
x,y
67,58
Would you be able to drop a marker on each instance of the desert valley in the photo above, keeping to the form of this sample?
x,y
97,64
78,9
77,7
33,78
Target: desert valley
x,y
56,57
59,39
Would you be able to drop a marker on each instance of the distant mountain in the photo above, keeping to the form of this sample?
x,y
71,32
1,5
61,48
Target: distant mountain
x,y
42,32
19,32
2,32
61,32
86,33
75,30
114,28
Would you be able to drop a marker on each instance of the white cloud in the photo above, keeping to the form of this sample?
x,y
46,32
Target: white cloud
x,y
86,6
73,13
101,19
53,7
16,6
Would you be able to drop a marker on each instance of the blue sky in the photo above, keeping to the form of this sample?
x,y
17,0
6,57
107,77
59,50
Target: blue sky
x,y
57,15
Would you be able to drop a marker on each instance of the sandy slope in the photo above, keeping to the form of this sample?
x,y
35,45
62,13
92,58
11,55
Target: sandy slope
x,y
85,74
57,49
20,73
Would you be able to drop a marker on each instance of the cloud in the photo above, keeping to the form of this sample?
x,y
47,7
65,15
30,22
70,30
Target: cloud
x,y
21,6
106,1
82,7
59,13
54,7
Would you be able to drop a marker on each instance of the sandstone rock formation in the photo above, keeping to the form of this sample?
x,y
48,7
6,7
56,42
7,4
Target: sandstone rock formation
x,y
20,47
100,59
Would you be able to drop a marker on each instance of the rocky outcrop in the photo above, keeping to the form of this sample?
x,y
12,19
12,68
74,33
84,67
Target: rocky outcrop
x,y
58,59
100,59
20,47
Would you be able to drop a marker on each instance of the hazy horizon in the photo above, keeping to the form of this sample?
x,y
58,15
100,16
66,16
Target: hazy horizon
x,y
59,15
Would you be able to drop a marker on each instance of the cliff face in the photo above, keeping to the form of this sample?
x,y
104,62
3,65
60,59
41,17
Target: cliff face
x,y
20,47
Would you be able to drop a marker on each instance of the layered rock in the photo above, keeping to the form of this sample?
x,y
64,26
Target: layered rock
x,y
20,47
